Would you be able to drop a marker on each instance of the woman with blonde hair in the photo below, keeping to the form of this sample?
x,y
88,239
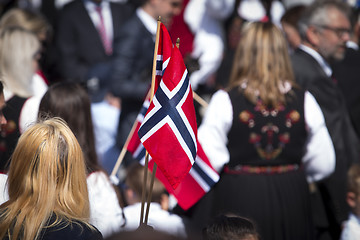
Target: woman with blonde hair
x,y
37,24
28,20
71,102
267,138
19,52
47,187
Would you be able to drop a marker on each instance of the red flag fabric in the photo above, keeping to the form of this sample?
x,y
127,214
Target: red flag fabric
x,y
197,182
169,131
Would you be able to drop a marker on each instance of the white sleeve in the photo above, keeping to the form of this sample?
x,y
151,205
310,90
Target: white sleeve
x,y
105,211
212,133
319,158
29,113
4,196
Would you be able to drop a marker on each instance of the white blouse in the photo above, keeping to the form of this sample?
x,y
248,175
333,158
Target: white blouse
x,y
319,159
105,212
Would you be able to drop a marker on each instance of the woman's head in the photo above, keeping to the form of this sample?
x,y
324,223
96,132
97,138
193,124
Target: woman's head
x,y
19,51
261,64
46,175
71,102
28,20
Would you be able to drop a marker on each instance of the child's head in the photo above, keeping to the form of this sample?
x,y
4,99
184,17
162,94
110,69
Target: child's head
x,y
134,181
230,228
353,194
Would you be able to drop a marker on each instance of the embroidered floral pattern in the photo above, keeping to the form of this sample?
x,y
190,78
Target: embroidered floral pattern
x,y
292,117
247,118
269,135
261,107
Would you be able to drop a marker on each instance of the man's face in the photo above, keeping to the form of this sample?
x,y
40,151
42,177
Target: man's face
x,y
167,9
333,36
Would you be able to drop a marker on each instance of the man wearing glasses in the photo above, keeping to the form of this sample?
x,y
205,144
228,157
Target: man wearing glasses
x,y
324,29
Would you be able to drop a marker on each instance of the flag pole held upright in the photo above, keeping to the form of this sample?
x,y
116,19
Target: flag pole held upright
x,y
152,90
169,129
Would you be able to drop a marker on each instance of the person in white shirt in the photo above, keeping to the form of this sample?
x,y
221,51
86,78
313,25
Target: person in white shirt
x,y
267,138
159,217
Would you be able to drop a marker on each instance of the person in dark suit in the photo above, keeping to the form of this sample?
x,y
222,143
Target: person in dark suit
x,y
84,41
347,72
133,59
324,28
83,56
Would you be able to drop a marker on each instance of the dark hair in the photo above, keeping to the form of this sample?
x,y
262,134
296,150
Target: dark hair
x,y
71,102
135,178
292,15
1,88
230,228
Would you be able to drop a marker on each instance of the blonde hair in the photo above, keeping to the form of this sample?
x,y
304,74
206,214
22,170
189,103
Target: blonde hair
x,y
262,65
47,176
26,19
18,47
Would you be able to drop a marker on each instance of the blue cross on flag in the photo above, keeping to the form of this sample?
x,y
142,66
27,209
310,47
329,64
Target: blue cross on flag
x,y
169,131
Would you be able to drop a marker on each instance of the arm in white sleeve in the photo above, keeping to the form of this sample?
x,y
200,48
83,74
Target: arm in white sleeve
x,y
212,133
319,159
105,211
29,113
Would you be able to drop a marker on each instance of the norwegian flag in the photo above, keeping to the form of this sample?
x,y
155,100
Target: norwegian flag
x,y
197,182
169,131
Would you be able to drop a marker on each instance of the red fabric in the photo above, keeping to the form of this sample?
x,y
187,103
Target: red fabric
x,y
169,130
180,29
102,31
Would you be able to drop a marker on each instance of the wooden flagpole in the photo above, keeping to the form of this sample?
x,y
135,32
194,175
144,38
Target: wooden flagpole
x,y
154,171
123,151
153,78
201,101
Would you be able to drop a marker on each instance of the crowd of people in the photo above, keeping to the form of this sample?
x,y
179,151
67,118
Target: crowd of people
x,y
281,127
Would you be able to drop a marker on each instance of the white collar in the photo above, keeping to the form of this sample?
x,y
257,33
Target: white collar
x,y
353,45
148,21
90,5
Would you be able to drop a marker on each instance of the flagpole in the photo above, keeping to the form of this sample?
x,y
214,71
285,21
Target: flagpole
x,y
144,188
153,78
200,100
150,192
155,166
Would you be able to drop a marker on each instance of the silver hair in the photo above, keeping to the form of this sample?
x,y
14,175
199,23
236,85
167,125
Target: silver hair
x,y
317,14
